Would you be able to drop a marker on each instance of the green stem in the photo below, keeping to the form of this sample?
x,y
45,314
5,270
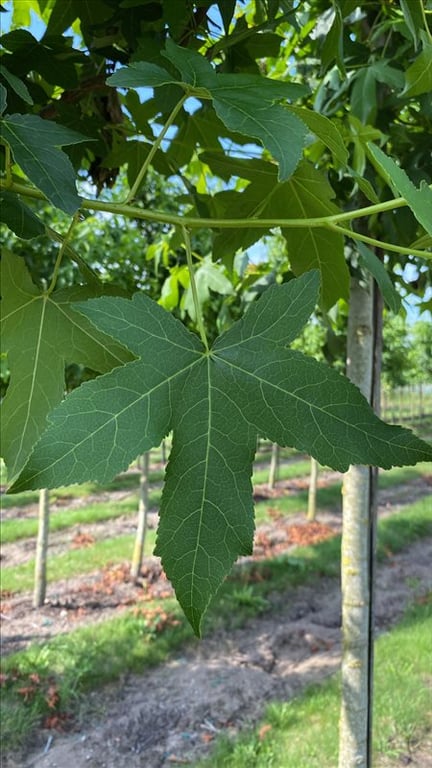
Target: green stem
x,y
155,148
61,252
200,323
331,222
87,272
426,25
8,165
379,243
134,212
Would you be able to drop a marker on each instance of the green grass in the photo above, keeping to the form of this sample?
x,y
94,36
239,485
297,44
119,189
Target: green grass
x,y
87,658
75,561
304,732
124,482
20,577
26,527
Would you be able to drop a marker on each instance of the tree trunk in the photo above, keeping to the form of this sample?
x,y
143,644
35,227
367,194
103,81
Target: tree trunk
x,y
312,494
138,552
40,580
274,466
354,719
163,453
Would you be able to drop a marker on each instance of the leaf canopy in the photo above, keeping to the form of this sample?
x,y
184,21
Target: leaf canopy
x,y
215,402
244,103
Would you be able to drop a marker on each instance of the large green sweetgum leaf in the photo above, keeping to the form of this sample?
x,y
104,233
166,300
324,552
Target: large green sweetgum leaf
x,y
215,402
40,332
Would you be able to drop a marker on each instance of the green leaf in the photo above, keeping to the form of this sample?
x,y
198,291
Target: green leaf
x,y
61,17
385,73
226,10
40,332
3,99
194,68
419,200
215,403
244,104
35,146
418,77
371,262
19,217
140,74
333,47
413,15
208,277
16,84
306,194
326,130
363,96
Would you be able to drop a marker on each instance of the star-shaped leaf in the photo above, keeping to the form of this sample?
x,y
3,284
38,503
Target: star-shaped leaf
x,y
215,402
41,331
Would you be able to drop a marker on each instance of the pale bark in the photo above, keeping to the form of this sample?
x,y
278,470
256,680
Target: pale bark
x,y
313,485
138,551
40,577
274,466
354,720
163,452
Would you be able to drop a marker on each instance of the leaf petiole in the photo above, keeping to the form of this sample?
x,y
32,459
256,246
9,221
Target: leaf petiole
x,y
154,149
197,306
379,243
61,252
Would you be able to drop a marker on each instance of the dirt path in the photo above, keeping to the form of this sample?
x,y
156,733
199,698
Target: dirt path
x,y
170,714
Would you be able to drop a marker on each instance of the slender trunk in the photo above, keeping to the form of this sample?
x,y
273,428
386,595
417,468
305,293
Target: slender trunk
x,y
163,452
274,466
354,719
313,484
40,579
138,552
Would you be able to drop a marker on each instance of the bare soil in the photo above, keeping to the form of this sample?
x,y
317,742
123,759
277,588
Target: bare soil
x,y
171,714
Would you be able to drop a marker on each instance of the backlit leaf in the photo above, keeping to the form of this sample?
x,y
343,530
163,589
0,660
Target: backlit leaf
x,y
216,403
